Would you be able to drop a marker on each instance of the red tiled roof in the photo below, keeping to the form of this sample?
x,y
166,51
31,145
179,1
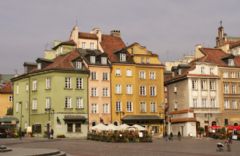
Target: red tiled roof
x,y
213,55
111,44
64,61
234,44
87,35
6,88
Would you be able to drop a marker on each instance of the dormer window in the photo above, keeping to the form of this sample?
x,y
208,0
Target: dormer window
x,y
122,57
104,60
230,62
92,59
78,65
39,66
91,45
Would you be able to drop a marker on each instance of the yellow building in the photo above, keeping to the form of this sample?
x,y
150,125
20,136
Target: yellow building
x,y
5,98
137,88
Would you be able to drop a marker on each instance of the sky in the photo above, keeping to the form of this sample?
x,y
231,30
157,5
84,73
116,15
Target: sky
x,y
170,28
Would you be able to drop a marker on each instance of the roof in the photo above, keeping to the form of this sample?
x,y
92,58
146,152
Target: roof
x,y
64,61
181,120
70,42
6,88
111,44
234,44
87,35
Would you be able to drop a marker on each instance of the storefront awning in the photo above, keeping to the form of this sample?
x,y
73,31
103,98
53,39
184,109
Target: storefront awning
x,y
133,119
74,118
8,119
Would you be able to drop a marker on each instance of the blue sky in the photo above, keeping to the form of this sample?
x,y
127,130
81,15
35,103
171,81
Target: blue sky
x,y
170,28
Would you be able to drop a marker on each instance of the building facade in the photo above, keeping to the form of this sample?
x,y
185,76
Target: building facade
x,y
6,98
53,96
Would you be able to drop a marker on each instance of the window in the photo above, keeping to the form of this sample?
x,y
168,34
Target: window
x,y
234,88
118,106
129,106
78,65
233,75
92,59
93,91
142,75
106,108
118,72
195,103
39,66
34,104
238,74
79,104
69,127
225,74
142,59
105,92
17,106
118,89
48,102
194,84
152,75
94,108
91,45
202,70
68,84
93,76
226,88
211,70
204,102
103,60
105,76
48,83
153,107
123,57
129,89
79,83
234,104
78,127
68,102
147,60
129,72
27,87
143,107
212,84
226,104
204,84
34,85
230,62
213,102
153,91
10,98
143,90
37,128
84,45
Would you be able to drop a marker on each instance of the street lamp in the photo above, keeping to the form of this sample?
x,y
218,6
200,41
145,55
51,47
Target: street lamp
x,y
49,110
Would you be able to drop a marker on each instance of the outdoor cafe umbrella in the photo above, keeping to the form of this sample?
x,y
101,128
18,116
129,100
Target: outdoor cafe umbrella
x,y
123,127
112,127
138,127
99,127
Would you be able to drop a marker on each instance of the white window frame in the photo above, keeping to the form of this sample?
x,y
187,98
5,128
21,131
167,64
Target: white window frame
x,y
143,107
94,91
79,103
92,59
226,104
118,89
79,83
48,83
123,57
195,102
105,92
129,73
93,75
94,109
142,75
153,91
152,75
117,72
129,106
92,45
79,64
48,103
105,76
153,107
129,89
103,60
34,85
194,84
34,104
142,90
118,106
212,84
68,102
106,109
68,82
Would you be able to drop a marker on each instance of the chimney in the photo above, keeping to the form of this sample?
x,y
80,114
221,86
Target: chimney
x,y
116,33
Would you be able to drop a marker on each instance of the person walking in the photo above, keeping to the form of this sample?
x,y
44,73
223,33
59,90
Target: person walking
x,y
51,133
179,136
171,136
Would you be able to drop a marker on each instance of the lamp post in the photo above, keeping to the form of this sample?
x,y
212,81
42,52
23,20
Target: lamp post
x,y
49,110
20,127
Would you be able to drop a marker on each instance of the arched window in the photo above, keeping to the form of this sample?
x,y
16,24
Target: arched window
x,y
93,123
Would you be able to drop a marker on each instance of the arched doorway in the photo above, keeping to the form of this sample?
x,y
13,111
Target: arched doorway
x,y
93,124
235,124
115,123
214,123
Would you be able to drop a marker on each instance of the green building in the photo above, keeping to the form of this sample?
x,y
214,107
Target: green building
x,y
52,94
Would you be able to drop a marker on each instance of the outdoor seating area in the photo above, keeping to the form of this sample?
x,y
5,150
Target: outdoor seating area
x,y
121,133
218,132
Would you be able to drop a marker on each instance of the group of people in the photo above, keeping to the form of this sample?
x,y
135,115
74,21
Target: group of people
x,y
170,136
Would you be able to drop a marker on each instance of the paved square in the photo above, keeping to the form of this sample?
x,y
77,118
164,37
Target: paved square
x,y
159,147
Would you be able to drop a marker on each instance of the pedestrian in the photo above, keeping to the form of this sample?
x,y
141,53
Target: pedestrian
x,y
166,136
51,134
179,136
171,136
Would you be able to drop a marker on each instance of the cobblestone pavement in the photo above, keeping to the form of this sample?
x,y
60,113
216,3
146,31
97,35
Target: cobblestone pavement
x,y
159,147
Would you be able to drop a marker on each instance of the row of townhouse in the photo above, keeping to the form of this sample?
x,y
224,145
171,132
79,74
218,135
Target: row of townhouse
x,y
205,92
92,78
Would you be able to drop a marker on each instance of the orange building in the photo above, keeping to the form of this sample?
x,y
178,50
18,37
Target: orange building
x,y
5,98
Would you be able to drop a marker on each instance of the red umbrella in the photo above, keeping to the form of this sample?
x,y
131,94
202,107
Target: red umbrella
x,y
215,127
